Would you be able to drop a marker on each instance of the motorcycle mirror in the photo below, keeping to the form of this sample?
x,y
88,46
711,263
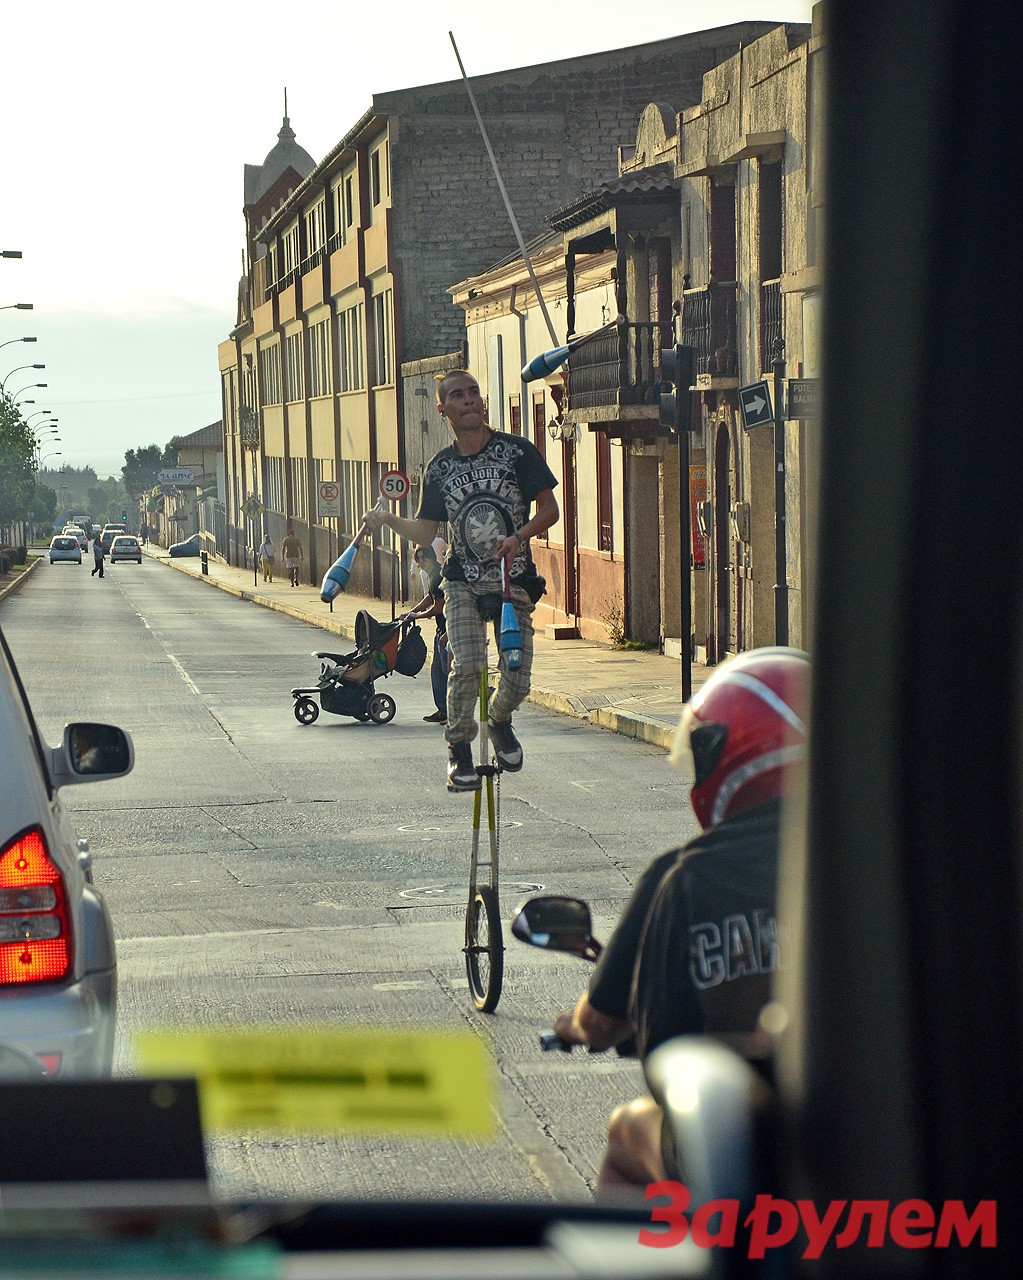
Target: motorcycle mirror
x,y
556,924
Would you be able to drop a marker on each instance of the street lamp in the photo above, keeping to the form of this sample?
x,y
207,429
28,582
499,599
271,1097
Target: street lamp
x,y
10,253
18,306
10,340
15,394
56,454
37,412
3,384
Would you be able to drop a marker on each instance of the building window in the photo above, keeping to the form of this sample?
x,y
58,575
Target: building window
x,y
270,373
515,415
383,338
349,203
294,380
355,500
379,178
315,232
290,248
299,498
540,436
275,496
319,360
352,351
605,529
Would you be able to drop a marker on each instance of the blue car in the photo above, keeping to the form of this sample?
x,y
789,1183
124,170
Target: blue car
x,y
190,547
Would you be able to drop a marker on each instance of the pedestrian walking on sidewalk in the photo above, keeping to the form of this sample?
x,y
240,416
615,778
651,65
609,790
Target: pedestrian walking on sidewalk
x,y
483,485
266,558
293,555
98,553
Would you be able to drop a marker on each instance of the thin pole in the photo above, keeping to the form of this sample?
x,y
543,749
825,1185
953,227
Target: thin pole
x,y
781,588
504,193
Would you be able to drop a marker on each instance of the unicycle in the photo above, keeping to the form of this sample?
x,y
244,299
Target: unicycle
x,y
484,944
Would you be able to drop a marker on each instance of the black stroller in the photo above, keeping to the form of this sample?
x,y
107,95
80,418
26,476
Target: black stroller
x,y
345,687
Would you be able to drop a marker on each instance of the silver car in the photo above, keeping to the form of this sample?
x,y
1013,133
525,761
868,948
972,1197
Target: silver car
x,y
58,972
65,547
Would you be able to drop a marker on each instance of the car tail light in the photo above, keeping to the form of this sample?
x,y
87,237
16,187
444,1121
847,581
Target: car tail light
x,y
35,925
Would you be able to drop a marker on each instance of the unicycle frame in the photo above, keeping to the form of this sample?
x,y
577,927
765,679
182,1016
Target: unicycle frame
x,y
484,896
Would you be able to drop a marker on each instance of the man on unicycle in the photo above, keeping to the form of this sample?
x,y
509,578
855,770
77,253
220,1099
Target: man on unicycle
x,y
483,485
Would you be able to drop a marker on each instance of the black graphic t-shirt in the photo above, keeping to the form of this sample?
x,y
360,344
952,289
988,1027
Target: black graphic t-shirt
x,y
484,498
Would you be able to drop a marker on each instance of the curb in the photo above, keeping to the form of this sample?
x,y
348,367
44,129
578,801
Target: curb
x,y
627,725
9,588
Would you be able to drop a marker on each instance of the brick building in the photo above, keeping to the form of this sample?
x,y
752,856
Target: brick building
x,y
349,262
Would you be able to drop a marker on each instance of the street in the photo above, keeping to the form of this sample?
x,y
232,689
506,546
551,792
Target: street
x,y
259,871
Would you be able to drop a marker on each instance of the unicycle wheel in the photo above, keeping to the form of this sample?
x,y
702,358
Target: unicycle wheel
x,y
484,949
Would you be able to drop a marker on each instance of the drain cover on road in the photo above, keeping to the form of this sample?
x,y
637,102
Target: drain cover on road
x,y
428,892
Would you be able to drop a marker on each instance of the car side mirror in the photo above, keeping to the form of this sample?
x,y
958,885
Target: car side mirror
x,y
92,752
556,924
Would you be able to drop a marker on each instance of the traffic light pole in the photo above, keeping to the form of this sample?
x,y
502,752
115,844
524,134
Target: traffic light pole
x,y
781,586
676,412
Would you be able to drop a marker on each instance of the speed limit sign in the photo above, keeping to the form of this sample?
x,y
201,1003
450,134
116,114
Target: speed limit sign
x,y
394,486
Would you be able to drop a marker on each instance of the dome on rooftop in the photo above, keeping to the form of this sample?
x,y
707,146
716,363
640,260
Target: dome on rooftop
x,y
285,154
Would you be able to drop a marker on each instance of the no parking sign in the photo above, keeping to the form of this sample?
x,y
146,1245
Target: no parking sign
x,y
328,499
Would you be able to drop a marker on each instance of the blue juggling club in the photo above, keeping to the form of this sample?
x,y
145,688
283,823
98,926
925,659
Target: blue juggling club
x,y
548,361
336,578
510,640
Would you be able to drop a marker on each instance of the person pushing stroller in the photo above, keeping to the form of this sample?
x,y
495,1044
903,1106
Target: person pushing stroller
x,y
482,485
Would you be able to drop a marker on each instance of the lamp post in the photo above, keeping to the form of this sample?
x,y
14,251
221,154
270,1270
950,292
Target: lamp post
x,y
248,431
18,306
10,340
3,384
56,454
16,394
10,253
36,413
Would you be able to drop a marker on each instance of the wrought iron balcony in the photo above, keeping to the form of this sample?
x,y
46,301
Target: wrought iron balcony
x,y
622,367
771,324
708,324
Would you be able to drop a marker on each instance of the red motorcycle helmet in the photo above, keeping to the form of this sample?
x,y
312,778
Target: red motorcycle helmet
x,y
744,730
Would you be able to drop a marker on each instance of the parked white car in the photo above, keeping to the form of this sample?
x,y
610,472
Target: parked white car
x,y
58,970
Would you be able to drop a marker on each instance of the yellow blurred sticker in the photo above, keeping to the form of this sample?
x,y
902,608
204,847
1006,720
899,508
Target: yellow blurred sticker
x,y
330,1079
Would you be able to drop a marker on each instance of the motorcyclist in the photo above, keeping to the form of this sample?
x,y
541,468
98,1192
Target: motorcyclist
x,y
710,905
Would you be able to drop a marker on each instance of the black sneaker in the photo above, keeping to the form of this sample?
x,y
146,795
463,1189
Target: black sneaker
x,y
462,775
507,747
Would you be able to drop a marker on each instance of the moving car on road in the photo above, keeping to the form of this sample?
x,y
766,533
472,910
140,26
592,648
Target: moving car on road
x,y
78,533
64,546
58,975
126,547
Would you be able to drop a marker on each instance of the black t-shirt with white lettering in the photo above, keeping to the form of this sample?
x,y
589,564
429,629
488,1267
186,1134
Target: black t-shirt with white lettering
x,y
697,943
710,945
484,498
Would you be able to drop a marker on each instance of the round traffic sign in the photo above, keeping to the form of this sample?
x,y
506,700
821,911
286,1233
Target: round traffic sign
x,y
394,486
329,491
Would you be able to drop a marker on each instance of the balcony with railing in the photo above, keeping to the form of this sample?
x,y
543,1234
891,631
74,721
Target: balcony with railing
x,y
771,324
621,368
708,324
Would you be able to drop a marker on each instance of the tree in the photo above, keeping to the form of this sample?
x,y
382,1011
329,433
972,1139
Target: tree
x,y
17,465
141,466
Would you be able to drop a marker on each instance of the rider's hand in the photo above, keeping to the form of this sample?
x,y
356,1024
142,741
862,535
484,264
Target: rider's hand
x,y
507,549
374,519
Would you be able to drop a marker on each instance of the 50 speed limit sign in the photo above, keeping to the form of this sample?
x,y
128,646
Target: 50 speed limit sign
x,y
394,486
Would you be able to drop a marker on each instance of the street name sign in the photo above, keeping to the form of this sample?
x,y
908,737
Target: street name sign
x,y
804,398
755,403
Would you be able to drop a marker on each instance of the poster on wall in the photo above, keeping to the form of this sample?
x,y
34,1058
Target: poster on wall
x,y
697,495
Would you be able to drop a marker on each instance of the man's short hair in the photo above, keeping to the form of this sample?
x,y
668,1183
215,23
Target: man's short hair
x,y
444,378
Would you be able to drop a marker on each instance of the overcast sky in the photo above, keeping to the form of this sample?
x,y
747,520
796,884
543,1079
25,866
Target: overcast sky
x,y
126,127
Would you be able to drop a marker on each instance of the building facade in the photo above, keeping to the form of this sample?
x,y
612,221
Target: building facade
x,y
349,262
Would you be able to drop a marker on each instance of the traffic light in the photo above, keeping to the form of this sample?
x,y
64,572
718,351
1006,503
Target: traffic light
x,y
678,372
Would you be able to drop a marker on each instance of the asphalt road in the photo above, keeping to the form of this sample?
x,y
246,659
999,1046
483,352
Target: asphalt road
x,y
262,871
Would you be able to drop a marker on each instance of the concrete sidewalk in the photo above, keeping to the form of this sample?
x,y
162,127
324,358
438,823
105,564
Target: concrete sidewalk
x,y
632,692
